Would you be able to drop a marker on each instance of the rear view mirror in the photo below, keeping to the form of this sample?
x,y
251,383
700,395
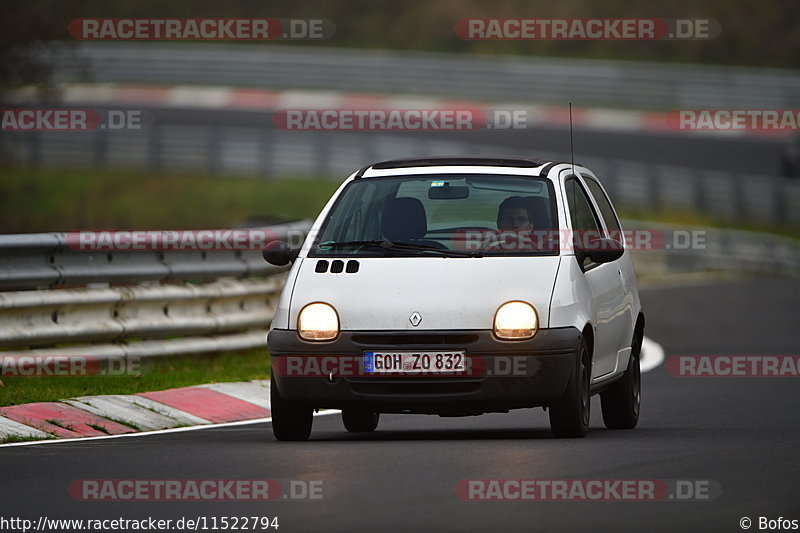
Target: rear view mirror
x,y
278,253
445,191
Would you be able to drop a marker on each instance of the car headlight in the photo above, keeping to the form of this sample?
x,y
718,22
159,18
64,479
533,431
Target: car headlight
x,y
318,322
515,320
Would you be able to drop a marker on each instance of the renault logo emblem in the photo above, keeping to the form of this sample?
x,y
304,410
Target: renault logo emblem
x,y
415,319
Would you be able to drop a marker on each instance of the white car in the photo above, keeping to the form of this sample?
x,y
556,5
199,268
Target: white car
x,y
458,286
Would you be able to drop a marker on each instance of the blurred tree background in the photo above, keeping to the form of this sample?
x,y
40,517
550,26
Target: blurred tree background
x,y
759,33
756,33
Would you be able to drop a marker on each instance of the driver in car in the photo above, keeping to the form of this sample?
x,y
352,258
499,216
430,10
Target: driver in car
x,y
524,224
515,225
514,215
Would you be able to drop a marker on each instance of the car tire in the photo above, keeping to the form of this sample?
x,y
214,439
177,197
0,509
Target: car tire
x,y
360,420
622,400
569,415
290,420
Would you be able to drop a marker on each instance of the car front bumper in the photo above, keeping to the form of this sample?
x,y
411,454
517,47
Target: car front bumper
x,y
509,374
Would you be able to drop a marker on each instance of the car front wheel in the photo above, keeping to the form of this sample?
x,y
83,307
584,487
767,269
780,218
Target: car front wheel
x,y
569,415
621,400
290,420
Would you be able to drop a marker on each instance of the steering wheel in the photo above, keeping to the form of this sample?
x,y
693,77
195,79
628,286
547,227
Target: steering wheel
x,y
550,243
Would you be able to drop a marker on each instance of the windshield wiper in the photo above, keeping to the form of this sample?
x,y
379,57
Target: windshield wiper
x,y
389,245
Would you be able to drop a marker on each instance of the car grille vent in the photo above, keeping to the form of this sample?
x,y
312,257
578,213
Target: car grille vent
x,y
336,266
380,339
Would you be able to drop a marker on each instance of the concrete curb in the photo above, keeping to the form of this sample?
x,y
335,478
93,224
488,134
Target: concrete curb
x,y
209,404
91,416
11,428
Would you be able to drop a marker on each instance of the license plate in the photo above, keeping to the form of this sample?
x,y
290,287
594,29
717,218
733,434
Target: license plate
x,y
448,362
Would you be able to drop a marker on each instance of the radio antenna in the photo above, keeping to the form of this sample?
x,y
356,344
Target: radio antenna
x,y
571,144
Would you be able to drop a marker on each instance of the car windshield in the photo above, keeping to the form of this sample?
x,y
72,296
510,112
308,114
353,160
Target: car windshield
x,y
446,215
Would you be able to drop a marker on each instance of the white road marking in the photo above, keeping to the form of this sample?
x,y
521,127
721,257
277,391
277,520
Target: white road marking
x,y
160,432
652,355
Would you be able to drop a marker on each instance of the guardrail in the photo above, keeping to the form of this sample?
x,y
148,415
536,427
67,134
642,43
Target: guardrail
x,y
625,84
154,304
133,303
718,251
46,260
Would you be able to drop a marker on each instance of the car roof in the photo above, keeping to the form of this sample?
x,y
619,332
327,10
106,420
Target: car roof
x,y
530,166
462,161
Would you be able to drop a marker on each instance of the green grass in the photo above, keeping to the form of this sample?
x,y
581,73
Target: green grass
x,y
159,374
37,200
126,423
8,439
99,428
687,219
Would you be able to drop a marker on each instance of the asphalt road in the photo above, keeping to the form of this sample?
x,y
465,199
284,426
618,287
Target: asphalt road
x,y
740,433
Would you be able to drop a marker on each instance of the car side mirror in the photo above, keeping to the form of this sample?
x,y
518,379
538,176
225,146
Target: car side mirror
x,y
278,253
604,250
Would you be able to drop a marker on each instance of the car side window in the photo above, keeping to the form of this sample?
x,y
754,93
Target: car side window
x,y
606,209
580,209
585,225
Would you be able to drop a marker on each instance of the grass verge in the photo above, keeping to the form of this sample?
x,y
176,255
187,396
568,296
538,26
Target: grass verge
x,y
38,200
158,374
9,439
686,219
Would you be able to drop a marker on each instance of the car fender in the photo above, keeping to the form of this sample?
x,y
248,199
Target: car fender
x,y
572,303
281,318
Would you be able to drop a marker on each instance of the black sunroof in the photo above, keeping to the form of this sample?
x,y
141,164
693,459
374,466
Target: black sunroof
x,y
520,162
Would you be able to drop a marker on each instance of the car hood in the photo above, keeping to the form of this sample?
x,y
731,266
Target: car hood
x,y
448,293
